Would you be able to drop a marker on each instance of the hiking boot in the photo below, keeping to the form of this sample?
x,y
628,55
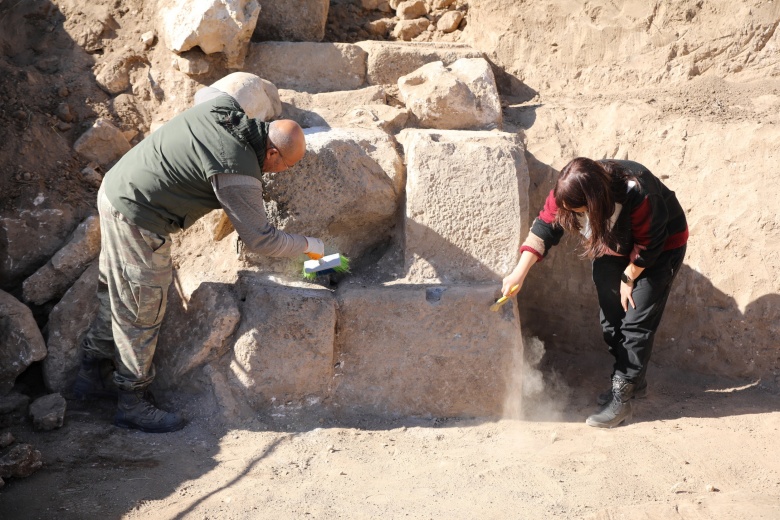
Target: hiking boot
x,y
639,393
618,409
90,383
135,411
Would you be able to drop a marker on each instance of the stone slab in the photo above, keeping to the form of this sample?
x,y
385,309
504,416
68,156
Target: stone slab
x,y
466,204
388,61
416,350
307,66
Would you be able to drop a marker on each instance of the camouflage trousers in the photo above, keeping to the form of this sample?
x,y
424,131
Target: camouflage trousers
x,y
135,273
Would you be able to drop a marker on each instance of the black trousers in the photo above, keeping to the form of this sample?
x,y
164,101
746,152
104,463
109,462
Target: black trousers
x,y
630,334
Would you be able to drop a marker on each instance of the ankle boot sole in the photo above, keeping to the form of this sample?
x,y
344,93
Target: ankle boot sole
x,y
596,424
122,423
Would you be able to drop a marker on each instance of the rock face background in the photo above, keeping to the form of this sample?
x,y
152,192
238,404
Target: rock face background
x,y
429,156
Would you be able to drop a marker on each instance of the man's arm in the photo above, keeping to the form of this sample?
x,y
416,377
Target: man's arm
x,y
241,196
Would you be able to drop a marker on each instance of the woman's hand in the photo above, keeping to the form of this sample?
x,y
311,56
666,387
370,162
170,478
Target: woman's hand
x,y
626,295
514,279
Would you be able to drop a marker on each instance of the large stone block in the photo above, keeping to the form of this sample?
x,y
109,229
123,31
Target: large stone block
x,y
292,20
224,26
21,342
29,238
466,204
345,190
53,279
327,108
195,331
283,351
308,67
69,322
430,351
461,96
388,61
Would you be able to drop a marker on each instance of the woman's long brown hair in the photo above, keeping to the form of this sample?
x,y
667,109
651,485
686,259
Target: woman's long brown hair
x,y
589,184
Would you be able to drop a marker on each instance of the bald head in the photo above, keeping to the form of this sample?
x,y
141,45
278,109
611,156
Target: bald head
x,y
288,138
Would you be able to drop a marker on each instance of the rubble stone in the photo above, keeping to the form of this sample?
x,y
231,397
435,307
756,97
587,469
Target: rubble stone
x,y
327,108
103,143
411,9
292,20
21,342
48,412
407,30
20,460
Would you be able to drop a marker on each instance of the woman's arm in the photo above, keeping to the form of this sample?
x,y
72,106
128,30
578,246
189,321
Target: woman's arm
x,y
518,274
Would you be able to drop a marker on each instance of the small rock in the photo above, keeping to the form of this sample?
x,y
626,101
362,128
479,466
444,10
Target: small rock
x,y
92,177
148,38
48,412
26,176
21,115
64,127
442,4
6,439
379,27
711,489
63,92
20,461
65,113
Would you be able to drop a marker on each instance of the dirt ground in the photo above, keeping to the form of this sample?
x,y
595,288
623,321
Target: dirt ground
x,y
699,447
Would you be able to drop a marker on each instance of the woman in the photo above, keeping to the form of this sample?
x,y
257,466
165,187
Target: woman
x,y
635,232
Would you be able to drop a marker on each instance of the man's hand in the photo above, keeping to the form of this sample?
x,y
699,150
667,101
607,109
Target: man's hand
x,y
315,249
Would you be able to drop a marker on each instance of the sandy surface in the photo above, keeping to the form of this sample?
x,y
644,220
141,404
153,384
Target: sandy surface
x,y
699,448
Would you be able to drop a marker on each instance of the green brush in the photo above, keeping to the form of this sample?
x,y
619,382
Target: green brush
x,y
334,263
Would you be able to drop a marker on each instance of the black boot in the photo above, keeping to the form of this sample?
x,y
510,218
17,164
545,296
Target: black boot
x,y
135,411
90,383
618,409
639,393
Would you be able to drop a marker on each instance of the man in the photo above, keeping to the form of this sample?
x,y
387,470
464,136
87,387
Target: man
x,y
210,156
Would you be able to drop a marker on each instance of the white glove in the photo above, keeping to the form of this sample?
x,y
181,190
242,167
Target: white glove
x,y
315,248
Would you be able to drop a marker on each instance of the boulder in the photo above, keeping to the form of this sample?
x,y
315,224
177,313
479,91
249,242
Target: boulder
x,y
411,9
292,20
29,238
53,279
449,21
452,359
69,322
194,332
460,96
20,460
408,30
327,108
466,204
258,97
103,143
345,190
21,342
388,61
48,412
283,349
224,26
308,67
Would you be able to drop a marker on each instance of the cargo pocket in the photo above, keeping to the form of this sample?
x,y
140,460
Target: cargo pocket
x,y
148,293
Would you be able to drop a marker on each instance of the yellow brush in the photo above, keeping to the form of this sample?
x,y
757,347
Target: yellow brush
x,y
501,301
